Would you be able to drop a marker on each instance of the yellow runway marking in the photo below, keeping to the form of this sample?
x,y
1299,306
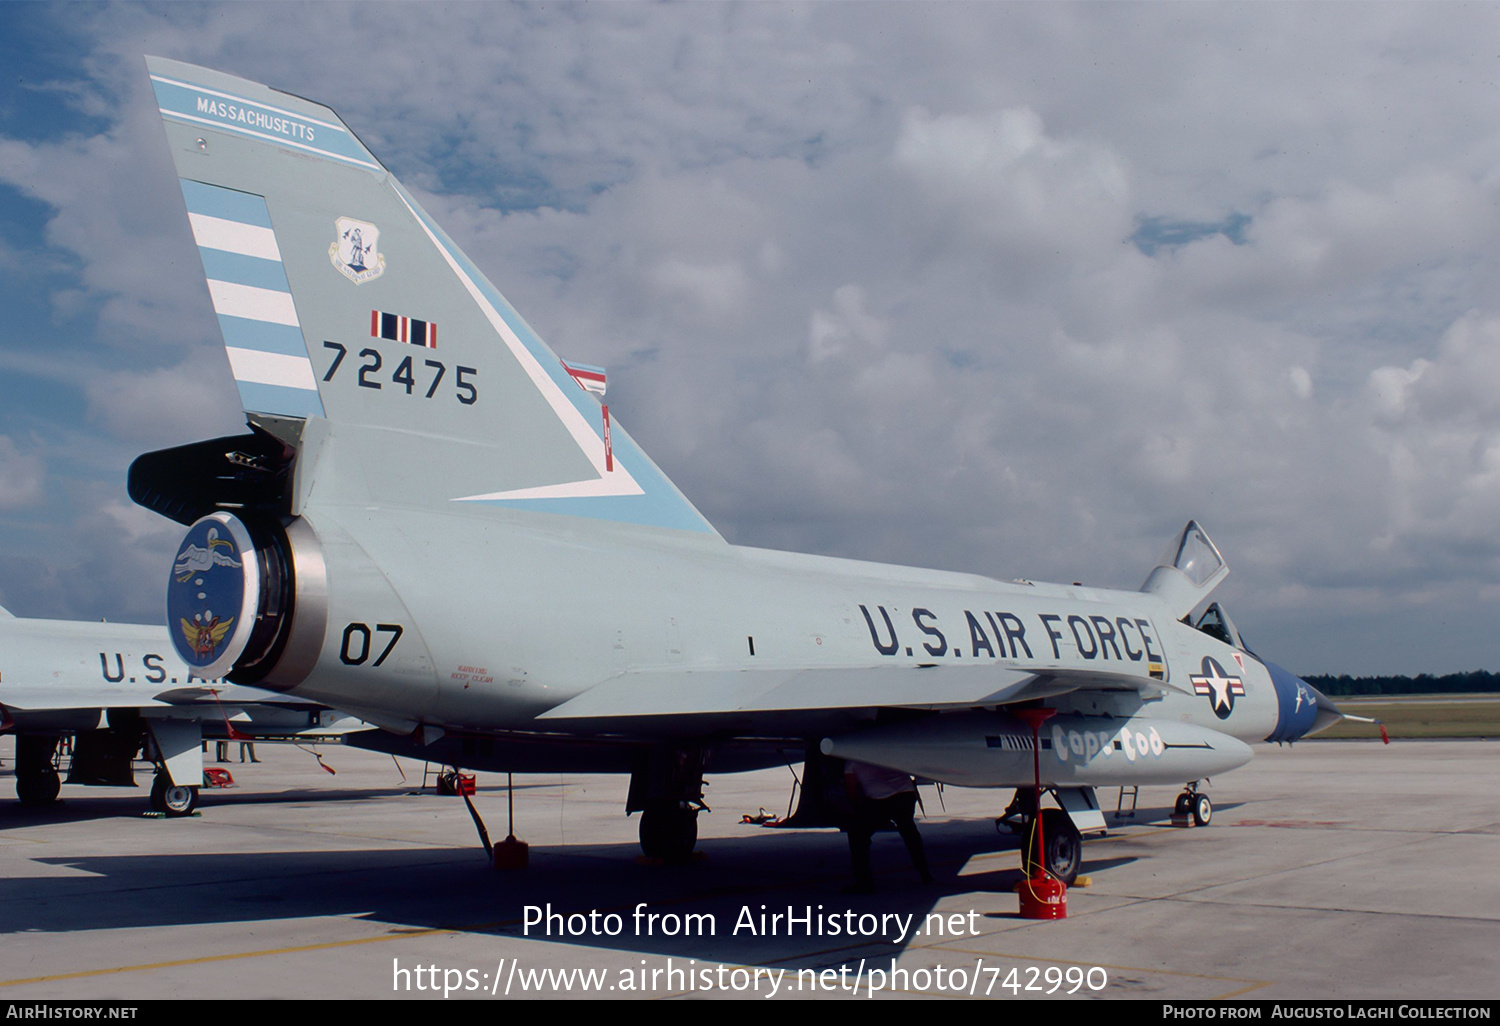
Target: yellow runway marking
x,y
206,959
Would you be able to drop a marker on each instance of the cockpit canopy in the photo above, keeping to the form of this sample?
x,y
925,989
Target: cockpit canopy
x,y
1195,555
1188,571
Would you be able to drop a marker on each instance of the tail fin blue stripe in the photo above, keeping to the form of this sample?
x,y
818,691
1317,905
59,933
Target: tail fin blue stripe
x,y
220,265
229,112
262,336
225,203
253,300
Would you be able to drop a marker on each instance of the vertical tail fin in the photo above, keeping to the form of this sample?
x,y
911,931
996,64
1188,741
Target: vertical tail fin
x,y
339,298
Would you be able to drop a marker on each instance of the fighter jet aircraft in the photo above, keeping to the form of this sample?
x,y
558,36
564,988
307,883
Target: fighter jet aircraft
x,y
431,525
118,690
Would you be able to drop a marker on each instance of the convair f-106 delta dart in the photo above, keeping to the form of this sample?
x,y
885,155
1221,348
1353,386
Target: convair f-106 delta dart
x,y
433,525
118,690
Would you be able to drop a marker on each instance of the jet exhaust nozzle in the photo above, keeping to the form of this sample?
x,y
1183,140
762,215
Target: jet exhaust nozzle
x,y
244,595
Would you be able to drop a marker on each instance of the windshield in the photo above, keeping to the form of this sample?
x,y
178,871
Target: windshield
x,y
1216,624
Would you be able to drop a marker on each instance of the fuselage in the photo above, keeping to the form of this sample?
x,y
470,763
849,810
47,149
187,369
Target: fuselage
x,y
487,620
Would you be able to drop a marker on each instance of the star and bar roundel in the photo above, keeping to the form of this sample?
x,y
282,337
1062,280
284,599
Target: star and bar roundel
x,y
1220,688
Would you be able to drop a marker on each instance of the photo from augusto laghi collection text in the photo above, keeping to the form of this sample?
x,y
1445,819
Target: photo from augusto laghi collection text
x,y
1328,1010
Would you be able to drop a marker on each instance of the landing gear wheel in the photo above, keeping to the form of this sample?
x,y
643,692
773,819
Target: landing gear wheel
x,y
37,782
173,799
1203,810
1064,847
38,789
669,830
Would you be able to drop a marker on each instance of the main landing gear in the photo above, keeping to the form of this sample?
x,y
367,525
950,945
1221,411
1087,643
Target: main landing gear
x,y
104,758
666,788
37,780
669,830
1060,851
172,799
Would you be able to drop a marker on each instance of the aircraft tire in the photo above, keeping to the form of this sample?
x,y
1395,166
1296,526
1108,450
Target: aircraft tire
x,y
1064,855
171,799
1203,810
35,790
669,830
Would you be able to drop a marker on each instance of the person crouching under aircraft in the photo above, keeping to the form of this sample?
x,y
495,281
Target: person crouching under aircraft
x,y
879,796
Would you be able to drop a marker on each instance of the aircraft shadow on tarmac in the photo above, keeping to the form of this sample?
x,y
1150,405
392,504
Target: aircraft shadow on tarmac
x,y
82,805
425,888
127,803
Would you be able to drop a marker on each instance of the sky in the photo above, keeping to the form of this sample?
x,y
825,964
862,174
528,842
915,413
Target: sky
x,y
1015,289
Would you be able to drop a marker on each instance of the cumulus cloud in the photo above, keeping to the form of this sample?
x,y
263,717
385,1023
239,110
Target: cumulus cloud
x,y
863,276
116,210
22,475
1301,382
169,405
1439,422
1001,178
833,333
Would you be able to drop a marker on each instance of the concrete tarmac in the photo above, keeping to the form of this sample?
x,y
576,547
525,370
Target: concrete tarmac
x,y
1348,870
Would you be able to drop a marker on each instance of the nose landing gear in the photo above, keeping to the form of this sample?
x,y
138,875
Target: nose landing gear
x,y
1192,806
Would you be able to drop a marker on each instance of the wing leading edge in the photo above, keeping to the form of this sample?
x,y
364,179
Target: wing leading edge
x,y
655,693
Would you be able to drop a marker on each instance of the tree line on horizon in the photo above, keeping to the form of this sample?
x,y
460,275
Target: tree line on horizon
x,y
1470,682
